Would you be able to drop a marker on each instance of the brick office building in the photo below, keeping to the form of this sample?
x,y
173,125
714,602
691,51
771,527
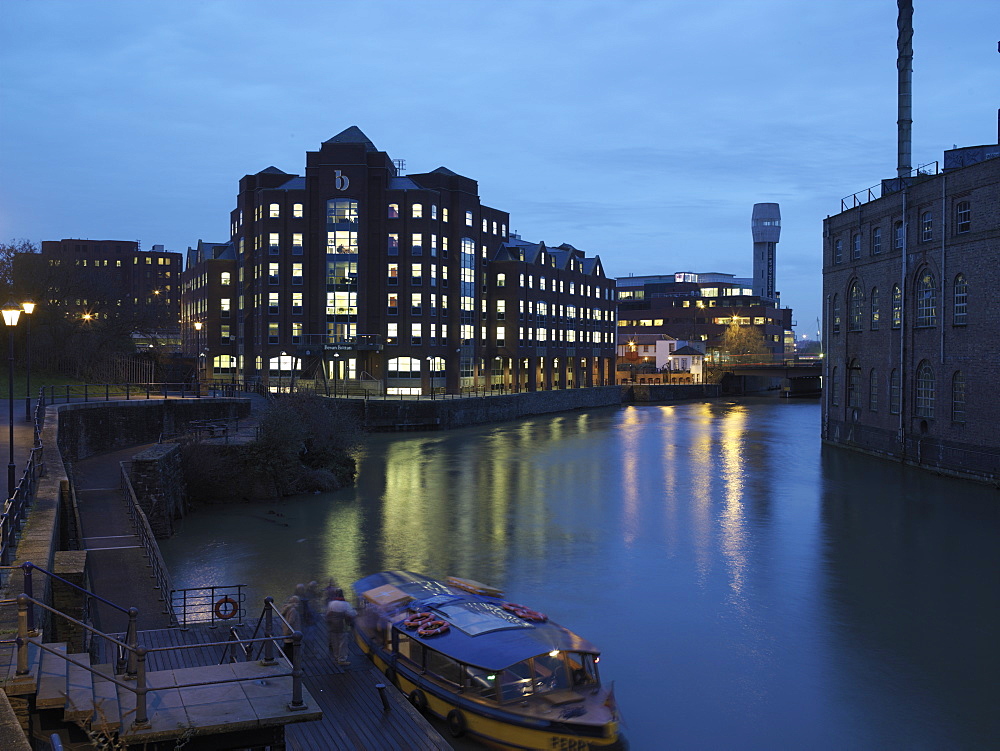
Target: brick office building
x,y
356,273
910,284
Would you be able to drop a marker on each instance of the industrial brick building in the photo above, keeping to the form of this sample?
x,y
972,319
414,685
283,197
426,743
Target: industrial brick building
x,y
357,276
911,283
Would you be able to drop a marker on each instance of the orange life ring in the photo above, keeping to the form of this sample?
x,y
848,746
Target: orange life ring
x,y
226,608
433,628
415,620
526,613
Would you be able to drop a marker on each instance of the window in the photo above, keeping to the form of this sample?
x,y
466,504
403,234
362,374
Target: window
x,y
224,306
416,273
444,216
393,244
297,210
434,211
391,331
417,244
393,303
958,397
501,280
898,235
876,241
963,217
296,273
225,278
500,336
835,314
874,309
897,307
272,273
415,333
468,218
297,243
926,226
925,390
297,302
834,388
873,391
961,311
926,300
856,247
272,302
856,302
838,250
393,273
417,211
275,211
272,332
394,211
416,304
273,242
501,309
853,384
895,392
485,226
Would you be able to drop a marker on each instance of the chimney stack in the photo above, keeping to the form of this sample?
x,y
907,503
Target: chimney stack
x,y
904,65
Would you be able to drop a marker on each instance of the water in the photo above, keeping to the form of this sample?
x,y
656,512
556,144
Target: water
x,y
750,589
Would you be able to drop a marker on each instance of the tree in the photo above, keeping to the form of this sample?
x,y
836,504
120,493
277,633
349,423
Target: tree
x,y
7,252
740,340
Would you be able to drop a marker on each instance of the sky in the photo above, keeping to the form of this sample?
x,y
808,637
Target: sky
x,y
642,131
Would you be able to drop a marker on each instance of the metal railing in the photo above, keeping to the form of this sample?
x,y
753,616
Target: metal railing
x,y
137,655
15,508
887,186
151,550
88,392
213,605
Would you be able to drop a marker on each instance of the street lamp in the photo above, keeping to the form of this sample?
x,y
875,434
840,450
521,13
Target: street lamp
x,y
28,307
11,313
197,356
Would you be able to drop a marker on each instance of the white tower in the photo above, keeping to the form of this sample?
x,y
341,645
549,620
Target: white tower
x,y
766,228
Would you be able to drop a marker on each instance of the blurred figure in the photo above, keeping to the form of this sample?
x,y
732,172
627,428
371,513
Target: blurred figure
x,y
339,618
290,611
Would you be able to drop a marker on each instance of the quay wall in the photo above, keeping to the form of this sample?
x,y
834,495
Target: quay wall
x,y
376,414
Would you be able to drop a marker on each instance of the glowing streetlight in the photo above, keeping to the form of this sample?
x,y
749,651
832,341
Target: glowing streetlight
x,y
11,312
28,307
197,357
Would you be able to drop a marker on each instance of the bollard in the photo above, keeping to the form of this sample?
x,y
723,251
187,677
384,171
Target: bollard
x,y
132,639
296,702
268,631
141,715
381,694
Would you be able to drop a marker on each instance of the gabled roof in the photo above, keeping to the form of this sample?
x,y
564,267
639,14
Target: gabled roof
x,y
272,171
444,171
353,135
688,350
402,183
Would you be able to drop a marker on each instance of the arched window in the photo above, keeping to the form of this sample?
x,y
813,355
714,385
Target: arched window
x,y
417,211
835,313
501,280
897,307
874,309
963,216
834,387
873,390
926,299
961,310
925,390
856,302
853,384
394,211
895,392
958,397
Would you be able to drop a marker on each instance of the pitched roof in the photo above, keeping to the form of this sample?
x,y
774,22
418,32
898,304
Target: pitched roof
x,y
687,349
353,135
272,171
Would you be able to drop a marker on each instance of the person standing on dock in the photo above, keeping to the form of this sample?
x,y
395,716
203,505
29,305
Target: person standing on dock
x,y
339,617
293,622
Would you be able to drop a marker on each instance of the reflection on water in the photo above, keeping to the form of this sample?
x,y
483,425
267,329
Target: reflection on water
x,y
749,589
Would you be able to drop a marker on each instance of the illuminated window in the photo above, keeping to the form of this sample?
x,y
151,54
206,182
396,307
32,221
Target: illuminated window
x,y
417,244
926,226
417,211
297,243
393,273
272,332
415,333
393,244
897,307
393,303
444,214
272,273
225,278
434,211
416,304
468,218
501,280
856,301
296,331
391,331
224,306
394,211
501,309
296,273
416,273
275,211
874,309
274,241
835,314
272,302
926,300
297,210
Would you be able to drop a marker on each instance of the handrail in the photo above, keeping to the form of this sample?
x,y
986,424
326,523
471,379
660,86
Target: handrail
x,y
145,534
15,508
205,601
138,654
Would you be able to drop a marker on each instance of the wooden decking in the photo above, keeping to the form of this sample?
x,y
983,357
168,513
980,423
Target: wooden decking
x,y
353,714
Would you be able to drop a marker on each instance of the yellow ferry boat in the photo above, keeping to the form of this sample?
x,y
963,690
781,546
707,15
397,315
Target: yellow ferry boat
x,y
496,671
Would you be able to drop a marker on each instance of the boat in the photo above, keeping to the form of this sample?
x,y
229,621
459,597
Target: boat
x,y
497,672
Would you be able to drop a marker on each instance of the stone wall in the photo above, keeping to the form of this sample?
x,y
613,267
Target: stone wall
x,y
157,476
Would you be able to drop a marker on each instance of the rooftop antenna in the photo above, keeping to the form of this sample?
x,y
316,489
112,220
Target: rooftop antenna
x,y
904,65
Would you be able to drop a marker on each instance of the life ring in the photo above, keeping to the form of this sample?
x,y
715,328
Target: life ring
x,y
526,613
418,699
226,608
456,723
415,620
433,628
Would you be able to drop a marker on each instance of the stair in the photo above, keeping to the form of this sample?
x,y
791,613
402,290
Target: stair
x,y
79,690
106,711
52,679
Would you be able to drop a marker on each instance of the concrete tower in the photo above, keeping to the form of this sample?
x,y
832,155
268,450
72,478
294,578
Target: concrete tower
x,y
766,227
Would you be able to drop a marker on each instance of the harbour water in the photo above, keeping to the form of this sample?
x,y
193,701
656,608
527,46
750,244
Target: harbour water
x,y
750,588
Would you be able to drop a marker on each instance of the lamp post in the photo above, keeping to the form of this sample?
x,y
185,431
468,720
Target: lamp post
x,y
28,307
11,313
197,357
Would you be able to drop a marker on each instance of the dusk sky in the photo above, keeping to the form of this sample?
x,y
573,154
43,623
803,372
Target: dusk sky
x,y
639,131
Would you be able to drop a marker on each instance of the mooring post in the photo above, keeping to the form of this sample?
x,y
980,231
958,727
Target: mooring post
x,y
381,694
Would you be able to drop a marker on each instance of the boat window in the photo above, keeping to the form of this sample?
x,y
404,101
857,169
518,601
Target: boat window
x,y
479,682
515,682
550,673
409,649
582,669
443,667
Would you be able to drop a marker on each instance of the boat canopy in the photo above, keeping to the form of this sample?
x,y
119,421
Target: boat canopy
x,y
483,634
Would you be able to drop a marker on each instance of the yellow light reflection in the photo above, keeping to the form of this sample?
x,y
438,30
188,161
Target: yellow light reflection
x,y
734,476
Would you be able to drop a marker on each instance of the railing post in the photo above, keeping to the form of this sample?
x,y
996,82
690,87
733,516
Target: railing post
x,y
22,634
268,631
132,640
141,716
296,702
30,592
